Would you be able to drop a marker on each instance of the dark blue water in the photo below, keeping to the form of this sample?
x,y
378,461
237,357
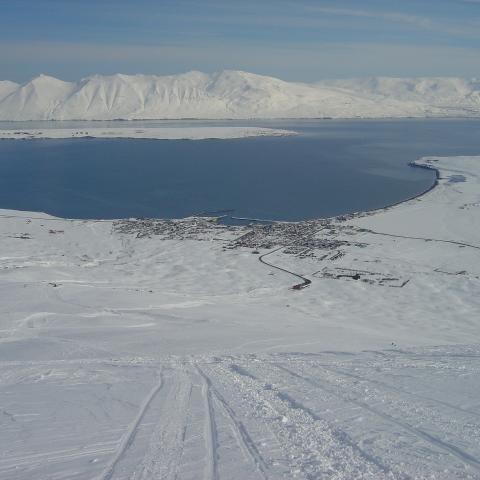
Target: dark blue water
x,y
333,167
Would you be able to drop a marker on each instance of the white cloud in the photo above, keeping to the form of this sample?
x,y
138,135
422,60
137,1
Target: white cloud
x,y
393,16
323,60
414,20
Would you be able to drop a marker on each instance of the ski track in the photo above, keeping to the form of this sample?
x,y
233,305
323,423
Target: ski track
x,y
164,452
210,431
392,388
309,447
272,416
431,439
129,436
244,441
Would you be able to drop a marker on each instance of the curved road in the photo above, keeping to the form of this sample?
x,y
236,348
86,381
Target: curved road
x,y
305,281
453,242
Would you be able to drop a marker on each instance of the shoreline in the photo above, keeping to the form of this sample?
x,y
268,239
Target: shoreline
x,y
246,119
147,133
244,220
412,164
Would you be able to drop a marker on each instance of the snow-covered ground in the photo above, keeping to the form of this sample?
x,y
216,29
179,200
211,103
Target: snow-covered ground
x,y
234,94
164,133
149,349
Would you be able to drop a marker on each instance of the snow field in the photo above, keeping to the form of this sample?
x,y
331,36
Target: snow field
x,y
126,356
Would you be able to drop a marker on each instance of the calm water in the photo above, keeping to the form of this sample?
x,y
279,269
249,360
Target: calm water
x,y
333,167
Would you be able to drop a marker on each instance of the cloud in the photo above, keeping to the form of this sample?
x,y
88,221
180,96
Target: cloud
x,y
420,22
301,63
392,16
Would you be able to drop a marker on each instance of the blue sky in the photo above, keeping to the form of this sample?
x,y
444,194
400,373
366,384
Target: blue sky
x,y
304,40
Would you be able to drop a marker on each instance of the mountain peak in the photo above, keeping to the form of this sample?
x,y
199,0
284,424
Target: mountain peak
x,y
234,94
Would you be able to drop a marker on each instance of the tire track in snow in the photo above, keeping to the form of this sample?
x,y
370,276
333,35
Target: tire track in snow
x,y
433,440
244,441
211,442
402,391
129,435
164,452
341,436
309,446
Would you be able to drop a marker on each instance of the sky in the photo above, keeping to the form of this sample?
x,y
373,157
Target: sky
x,y
297,40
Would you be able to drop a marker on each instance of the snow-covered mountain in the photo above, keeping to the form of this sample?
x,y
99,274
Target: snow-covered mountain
x,y
234,94
6,88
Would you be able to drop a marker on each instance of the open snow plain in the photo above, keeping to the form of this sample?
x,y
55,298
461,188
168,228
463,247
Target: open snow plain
x,y
146,349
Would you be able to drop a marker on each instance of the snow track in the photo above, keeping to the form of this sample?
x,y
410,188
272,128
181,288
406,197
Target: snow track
x,y
373,415
131,432
309,446
348,396
292,418
242,438
163,456
210,431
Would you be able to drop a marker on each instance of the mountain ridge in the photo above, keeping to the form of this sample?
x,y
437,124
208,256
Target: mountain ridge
x,y
237,95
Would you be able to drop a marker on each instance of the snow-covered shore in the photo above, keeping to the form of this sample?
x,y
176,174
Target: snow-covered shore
x,y
163,348
160,133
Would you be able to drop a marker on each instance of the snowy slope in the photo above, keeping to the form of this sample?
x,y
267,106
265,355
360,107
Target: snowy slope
x,y
233,94
6,88
42,94
438,93
161,350
394,415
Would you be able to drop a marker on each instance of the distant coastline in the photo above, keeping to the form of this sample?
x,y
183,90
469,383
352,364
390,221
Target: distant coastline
x,y
154,133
